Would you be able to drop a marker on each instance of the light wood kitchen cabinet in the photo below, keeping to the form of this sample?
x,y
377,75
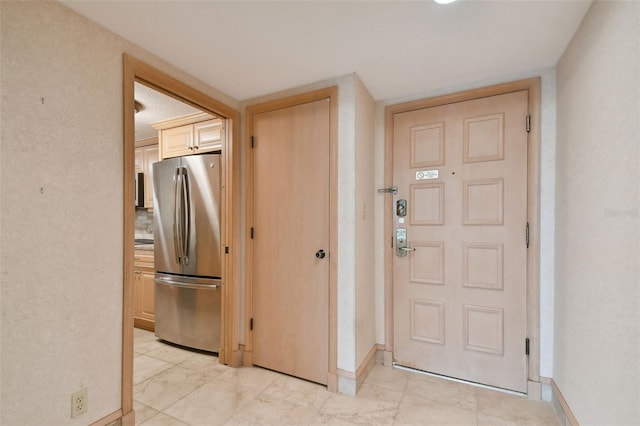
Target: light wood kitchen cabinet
x,y
193,134
147,153
143,290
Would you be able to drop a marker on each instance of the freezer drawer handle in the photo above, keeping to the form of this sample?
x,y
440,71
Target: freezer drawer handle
x,y
181,284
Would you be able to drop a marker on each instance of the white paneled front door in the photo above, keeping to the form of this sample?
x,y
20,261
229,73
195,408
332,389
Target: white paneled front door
x,y
459,288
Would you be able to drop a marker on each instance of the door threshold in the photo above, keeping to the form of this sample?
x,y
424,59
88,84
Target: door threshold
x,y
453,379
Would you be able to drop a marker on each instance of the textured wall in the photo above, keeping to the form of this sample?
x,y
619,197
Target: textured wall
x,y
365,223
597,300
61,215
61,212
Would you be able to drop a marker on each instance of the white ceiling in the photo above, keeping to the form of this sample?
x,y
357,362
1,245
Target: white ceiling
x,y
398,48
156,107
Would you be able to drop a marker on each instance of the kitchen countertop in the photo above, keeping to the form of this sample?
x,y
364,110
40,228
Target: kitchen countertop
x,y
143,244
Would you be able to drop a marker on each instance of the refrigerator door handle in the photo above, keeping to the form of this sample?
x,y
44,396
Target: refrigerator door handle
x,y
177,209
186,216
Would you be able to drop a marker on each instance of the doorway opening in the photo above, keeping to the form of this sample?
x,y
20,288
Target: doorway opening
x,y
142,76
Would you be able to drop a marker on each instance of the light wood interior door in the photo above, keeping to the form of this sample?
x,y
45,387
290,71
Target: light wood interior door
x,y
460,290
290,293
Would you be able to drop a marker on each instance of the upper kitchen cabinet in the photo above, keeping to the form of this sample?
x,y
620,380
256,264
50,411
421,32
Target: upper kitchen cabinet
x,y
147,154
191,134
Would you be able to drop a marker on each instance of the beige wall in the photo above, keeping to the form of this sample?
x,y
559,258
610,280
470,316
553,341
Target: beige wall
x,y
365,223
61,212
597,298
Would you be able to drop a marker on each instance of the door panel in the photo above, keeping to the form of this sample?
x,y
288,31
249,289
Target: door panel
x,y
164,195
290,296
204,249
459,292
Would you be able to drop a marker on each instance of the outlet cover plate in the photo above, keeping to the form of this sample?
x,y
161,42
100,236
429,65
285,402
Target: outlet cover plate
x,y
79,402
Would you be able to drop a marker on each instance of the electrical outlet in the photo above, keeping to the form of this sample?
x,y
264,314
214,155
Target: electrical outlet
x,y
79,402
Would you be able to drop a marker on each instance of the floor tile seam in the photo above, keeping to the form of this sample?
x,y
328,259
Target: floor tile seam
x,y
240,407
498,416
317,409
159,359
191,355
395,415
146,406
153,375
178,400
165,414
200,372
449,404
384,400
231,382
219,377
295,405
404,388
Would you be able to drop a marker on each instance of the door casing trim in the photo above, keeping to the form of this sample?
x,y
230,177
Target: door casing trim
x,y
135,70
533,209
332,94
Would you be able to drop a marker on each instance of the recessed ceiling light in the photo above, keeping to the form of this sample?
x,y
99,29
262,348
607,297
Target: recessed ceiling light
x,y
444,1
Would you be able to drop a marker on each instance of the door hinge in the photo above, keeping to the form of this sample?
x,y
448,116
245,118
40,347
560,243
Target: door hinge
x,y
526,346
226,250
252,233
526,234
528,124
251,324
253,141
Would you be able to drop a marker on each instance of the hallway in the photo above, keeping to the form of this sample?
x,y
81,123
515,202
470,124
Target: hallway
x,y
177,387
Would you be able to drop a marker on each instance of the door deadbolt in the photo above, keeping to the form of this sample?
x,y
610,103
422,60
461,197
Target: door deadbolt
x,y
401,208
320,254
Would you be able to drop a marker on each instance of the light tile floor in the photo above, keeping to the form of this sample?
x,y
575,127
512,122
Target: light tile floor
x,y
177,387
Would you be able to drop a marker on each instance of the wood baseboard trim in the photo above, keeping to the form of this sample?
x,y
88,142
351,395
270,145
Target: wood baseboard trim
x,y
365,367
144,324
568,414
247,359
108,420
129,419
237,357
332,382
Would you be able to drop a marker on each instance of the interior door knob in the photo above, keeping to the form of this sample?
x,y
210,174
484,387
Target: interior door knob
x,y
320,254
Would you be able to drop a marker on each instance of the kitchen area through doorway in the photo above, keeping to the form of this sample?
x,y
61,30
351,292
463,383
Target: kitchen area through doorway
x,y
177,266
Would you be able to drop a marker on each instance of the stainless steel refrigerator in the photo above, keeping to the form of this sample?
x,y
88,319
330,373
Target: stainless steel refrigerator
x,y
186,199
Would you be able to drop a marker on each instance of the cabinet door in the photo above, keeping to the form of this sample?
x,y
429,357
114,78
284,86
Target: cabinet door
x,y
177,141
209,135
148,303
150,157
139,160
137,293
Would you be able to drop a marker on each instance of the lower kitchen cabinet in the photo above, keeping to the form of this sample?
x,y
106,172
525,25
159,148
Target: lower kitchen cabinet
x,y
143,290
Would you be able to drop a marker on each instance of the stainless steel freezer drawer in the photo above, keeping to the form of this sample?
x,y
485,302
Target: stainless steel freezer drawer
x,y
188,312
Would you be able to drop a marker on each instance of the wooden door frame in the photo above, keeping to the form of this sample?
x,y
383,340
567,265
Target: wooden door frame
x,y
316,95
533,211
135,70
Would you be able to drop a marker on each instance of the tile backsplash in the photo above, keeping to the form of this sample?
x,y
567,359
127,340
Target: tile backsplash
x,y
144,223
